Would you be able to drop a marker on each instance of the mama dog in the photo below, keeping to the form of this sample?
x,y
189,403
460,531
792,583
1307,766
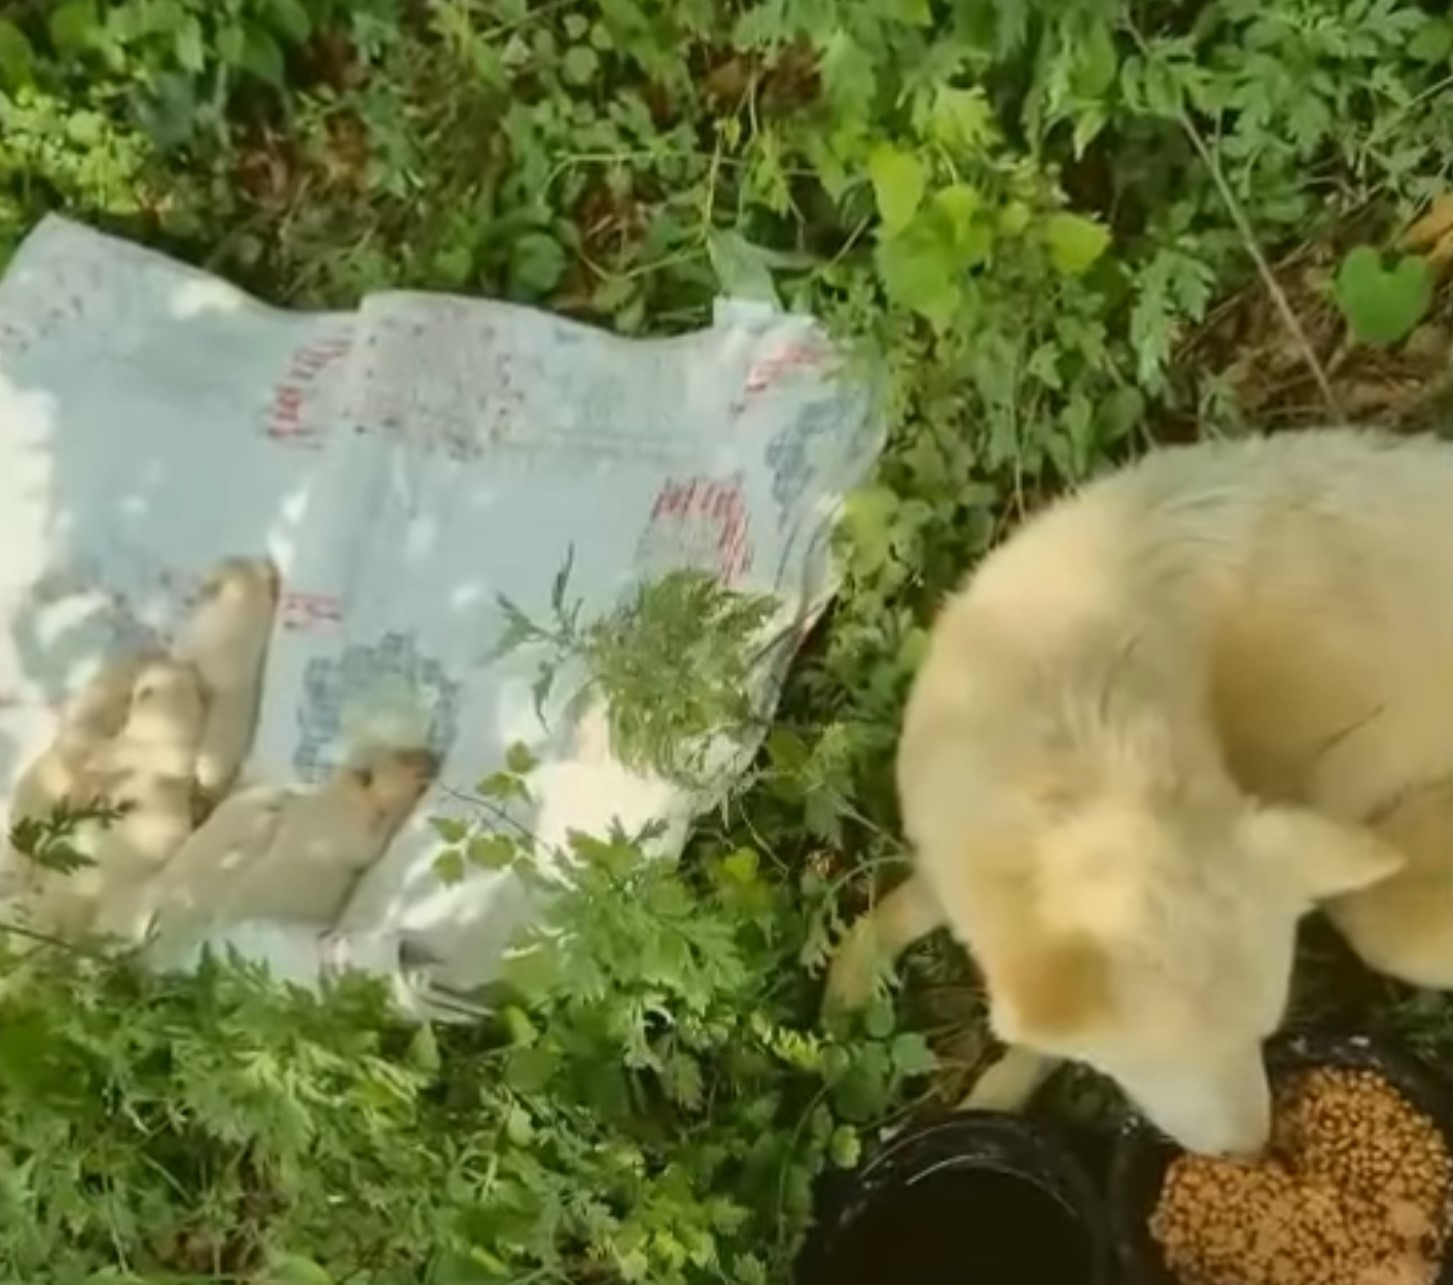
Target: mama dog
x,y
1167,719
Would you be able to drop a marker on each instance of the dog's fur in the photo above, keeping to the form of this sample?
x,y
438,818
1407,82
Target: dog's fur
x,y
93,718
145,768
288,854
1160,724
227,638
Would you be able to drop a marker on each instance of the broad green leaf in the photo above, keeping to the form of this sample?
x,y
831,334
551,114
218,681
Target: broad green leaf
x,y
73,26
190,44
291,19
231,41
537,263
17,58
449,867
1383,305
958,207
517,1023
1433,41
450,829
160,17
519,1128
741,866
865,1090
920,273
580,65
502,786
879,1020
1121,413
492,851
846,1147
423,1054
1075,242
1014,218
519,760
292,1269
868,524
1097,63
530,1068
262,56
899,181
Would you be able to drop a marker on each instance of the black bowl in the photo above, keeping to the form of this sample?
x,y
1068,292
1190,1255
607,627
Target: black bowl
x,y
1142,1154
977,1198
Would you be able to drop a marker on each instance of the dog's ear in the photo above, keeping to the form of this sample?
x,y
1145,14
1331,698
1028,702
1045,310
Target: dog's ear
x,y
1313,857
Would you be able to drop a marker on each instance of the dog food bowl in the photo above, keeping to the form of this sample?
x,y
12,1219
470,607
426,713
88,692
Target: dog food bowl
x,y
978,1198
1142,1154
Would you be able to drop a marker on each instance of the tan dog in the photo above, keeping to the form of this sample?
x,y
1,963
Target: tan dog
x,y
227,639
65,774
145,769
1165,720
287,854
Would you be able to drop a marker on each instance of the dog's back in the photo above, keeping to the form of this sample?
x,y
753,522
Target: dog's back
x,y
1297,592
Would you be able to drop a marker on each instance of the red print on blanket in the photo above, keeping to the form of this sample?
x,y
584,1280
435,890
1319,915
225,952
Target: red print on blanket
x,y
288,419
699,521
309,612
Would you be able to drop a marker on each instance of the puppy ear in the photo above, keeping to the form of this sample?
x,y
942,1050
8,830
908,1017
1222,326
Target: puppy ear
x,y
1314,857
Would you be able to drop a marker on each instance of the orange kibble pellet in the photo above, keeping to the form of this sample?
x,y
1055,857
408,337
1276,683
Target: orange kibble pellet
x,y
1353,1191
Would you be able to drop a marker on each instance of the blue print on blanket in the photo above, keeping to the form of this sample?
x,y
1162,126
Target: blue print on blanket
x,y
363,682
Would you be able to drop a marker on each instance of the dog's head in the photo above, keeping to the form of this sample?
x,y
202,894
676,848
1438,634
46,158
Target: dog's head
x,y
1155,943
242,583
387,782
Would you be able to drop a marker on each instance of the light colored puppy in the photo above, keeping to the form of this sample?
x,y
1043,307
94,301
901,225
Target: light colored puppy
x,y
90,720
227,638
1159,725
288,854
145,771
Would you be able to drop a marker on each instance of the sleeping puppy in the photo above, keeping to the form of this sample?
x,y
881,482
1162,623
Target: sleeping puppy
x,y
89,721
227,639
144,772
1169,717
288,854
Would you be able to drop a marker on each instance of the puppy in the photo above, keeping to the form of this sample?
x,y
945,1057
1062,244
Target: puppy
x,y
90,720
288,854
1159,725
227,639
144,771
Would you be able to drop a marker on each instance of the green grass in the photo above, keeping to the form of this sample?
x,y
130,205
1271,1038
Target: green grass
x,y
1051,224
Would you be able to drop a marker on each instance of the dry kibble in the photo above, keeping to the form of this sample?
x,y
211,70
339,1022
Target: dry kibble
x,y
1354,1190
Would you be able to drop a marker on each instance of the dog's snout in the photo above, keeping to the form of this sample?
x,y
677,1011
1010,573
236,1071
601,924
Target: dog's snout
x,y
1242,1133
1221,1109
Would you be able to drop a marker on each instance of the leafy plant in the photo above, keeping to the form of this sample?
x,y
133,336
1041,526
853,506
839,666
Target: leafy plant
x,y
1383,305
674,665
649,1105
56,842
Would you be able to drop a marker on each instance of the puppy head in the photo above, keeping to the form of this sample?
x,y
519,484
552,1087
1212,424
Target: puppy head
x,y
389,782
1155,943
166,700
242,582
